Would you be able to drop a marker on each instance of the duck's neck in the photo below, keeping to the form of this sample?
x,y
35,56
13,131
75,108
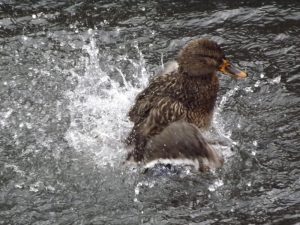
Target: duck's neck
x,y
200,92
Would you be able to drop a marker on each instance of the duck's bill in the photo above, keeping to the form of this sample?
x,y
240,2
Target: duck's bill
x,y
231,70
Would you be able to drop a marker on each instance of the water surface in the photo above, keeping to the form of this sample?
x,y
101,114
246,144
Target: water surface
x,y
70,72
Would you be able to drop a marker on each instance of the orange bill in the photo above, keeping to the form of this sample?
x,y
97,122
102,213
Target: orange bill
x,y
227,68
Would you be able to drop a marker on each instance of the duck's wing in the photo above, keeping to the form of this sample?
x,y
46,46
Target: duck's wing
x,y
165,111
182,143
141,109
159,115
155,108
158,89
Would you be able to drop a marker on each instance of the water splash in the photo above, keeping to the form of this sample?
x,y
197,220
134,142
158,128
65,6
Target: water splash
x,y
140,185
99,104
218,125
218,183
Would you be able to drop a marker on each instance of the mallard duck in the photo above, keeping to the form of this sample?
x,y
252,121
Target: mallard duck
x,y
178,103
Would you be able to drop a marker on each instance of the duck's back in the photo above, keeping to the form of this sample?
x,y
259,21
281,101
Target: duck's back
x,y
161,89
173,97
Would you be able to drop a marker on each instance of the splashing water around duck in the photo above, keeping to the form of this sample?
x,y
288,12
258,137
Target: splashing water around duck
x,y
98,108
99,105
168,114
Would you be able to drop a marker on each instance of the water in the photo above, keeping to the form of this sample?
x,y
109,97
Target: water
x,y
69,73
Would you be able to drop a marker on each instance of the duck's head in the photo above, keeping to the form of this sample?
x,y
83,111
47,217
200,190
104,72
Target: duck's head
x,y
202,57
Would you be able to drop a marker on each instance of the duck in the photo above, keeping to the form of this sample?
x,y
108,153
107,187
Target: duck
x,y
171,113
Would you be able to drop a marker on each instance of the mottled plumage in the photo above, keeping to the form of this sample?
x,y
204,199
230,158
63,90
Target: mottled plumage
x,y
168,113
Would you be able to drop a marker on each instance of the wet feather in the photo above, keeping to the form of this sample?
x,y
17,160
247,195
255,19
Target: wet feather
x,y
170,112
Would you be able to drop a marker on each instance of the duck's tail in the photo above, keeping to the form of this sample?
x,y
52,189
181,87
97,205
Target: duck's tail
x,y
181,143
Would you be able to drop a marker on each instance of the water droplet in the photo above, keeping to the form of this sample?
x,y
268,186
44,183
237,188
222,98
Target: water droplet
x,y
257,84
33,16
276,80
19,186
281,37
255,143
38,186
248,89
217,184
50,189
253,153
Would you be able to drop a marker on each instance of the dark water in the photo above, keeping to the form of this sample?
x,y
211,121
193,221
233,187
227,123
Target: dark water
x,y
69,73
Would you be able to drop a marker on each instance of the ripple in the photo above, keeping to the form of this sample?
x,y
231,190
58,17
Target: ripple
x,y
69,73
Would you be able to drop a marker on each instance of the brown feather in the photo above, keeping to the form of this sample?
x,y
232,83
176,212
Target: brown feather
x,y
175,105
